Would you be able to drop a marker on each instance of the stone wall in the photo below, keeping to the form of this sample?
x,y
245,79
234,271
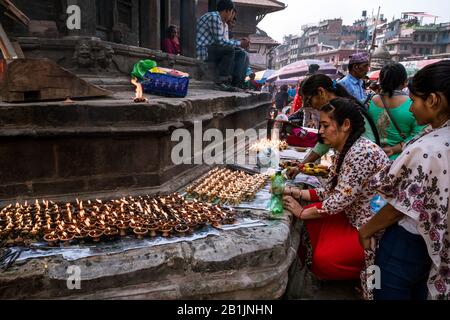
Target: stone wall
x,y
52,149
92,57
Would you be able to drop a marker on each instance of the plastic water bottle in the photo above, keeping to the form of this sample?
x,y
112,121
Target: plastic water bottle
x,y
276,202
377,203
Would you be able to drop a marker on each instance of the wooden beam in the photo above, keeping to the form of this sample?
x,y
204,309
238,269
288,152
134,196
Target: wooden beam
x,y
6,46
188,27
14,12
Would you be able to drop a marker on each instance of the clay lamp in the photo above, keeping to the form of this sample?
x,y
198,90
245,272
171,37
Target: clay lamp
x,y
48,228
152,227
111,232
34,232
134,224
215,220
112,222
182,229
192,224
66,238
165,229
51,239
230,219
61,227
88,225
81,234
72,229
95,235
140,232
101,225
202,221
123,227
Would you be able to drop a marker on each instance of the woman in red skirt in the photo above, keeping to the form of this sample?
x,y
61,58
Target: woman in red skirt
x,y
343,205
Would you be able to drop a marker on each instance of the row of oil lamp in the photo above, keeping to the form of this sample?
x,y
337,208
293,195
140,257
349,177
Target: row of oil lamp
x,y
226,186
95,220
275,144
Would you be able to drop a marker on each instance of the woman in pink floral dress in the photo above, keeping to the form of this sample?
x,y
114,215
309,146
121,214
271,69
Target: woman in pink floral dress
x,y
333,223
413,255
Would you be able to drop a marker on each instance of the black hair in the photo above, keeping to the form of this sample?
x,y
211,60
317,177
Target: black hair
x,y
433,78
340,109
350,67
313,68
225,5
311,85
252,76
171,29
284,87
392,76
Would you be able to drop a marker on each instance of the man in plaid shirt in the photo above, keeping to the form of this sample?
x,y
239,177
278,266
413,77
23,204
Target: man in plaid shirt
x,y
213,44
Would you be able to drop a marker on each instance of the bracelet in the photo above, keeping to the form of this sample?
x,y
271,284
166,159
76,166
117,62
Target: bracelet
x,y
301,212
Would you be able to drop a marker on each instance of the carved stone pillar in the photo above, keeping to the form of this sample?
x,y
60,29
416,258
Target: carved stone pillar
x,y
150,26
188,27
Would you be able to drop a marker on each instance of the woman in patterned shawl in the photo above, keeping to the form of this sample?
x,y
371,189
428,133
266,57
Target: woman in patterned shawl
x,y
413,255
332,225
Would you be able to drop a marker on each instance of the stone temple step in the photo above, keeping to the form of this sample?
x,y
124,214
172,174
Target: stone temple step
x,y
118,84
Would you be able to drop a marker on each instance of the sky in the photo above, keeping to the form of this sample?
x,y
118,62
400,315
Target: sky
x,y
301,12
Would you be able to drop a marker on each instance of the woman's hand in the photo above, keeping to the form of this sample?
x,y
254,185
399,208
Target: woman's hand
x,y
366,242
292,172
390,151
292,206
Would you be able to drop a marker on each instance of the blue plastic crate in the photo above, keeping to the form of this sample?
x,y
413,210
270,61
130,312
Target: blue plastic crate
x,y
165,85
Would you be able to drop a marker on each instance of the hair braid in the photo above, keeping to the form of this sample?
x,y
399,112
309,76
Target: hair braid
x,y
348,145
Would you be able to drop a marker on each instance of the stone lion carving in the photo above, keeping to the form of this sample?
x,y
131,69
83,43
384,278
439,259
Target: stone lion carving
x,y
105,56
84,56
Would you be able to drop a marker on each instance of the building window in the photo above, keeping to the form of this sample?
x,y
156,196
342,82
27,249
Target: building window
x,y
124,8
422,38
414,50
428,51
430,38
104,14
421,51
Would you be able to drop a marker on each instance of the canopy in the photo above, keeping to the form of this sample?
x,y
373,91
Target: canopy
x,y
300,68
412,67
289,82
261,76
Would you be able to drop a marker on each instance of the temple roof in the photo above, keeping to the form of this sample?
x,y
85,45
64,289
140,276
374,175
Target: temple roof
x,y
273,5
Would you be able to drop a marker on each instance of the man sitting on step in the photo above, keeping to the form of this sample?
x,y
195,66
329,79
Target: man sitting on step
x,y
214,45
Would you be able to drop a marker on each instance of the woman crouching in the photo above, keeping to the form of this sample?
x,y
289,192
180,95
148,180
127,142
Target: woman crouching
x,y
333,223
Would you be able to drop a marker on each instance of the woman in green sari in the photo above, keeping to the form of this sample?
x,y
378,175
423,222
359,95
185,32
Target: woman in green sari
x,y
390,111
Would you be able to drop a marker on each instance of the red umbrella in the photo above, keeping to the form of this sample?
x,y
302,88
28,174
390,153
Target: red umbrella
x,y
374,75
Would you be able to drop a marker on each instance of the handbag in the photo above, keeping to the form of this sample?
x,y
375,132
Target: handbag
x,y
402,135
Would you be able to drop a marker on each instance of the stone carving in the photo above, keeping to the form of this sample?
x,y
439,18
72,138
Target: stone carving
x,y
84,56
105,56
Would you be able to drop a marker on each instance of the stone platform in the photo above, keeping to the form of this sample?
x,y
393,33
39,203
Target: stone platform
x,y
109,147
248,263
